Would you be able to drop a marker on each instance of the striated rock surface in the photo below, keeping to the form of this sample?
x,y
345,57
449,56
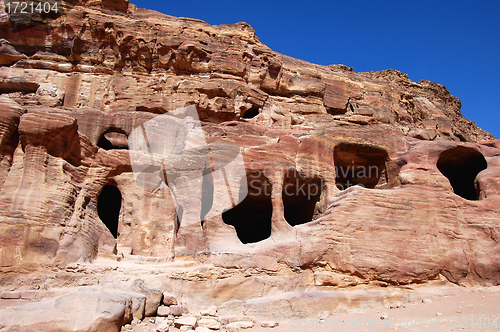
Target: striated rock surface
x,y
80,310
353,178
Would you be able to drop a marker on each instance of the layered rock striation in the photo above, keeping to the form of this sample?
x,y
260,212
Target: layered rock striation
x,y
351,177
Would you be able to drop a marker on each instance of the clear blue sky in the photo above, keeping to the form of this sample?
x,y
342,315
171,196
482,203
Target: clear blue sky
x,y
455,43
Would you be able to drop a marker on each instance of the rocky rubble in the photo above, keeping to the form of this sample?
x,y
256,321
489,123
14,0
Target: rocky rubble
x,y
357,184
112,308
77,309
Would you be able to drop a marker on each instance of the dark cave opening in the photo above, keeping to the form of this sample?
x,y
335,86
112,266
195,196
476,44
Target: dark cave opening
x,y
104,143
252,217
109,204
300,195
359,164
251,113
113,139
461,166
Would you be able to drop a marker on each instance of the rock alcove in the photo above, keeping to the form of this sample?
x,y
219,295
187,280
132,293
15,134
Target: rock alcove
x,y
461,165
109,204
357,164
252,217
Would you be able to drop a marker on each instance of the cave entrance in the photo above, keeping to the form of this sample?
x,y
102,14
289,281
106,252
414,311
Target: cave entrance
x,y
252,217
359,164
109,204
251,113
300,195
113,139
461,166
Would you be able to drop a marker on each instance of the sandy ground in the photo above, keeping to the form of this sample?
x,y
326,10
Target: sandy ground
x,y
462,309
474,311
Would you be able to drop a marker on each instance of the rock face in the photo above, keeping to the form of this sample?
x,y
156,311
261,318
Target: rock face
x,y
351,178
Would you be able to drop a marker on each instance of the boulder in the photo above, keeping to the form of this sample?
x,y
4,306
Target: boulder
x,y
163,311
85,309
188,321
209,323
269,324
247,324
10,295
210,311
153,297
176,310
169,299
163,326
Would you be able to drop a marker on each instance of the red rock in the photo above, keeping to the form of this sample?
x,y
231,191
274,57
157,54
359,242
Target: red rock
x,y
169,299
431,177
492,143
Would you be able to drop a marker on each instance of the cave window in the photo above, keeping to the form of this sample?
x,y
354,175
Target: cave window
x,y
461,166
251,113
252,217
358,164
300,195
109,204
113,139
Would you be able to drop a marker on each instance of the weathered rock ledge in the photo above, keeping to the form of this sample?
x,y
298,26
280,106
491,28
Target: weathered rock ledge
x,y
407,190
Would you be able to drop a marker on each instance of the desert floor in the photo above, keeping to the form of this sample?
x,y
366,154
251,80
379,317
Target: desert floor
x,y
472,310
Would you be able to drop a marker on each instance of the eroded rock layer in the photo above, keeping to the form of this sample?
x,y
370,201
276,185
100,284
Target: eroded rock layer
x,y
406,190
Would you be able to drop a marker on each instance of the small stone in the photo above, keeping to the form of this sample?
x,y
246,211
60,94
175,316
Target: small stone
x,y
384,315
176,310
163,327
169,299
127,327
185,321
396,306
163,311
269,324
379,283
10,295
241,325
439,314
201,329
427,301
211,311
209,323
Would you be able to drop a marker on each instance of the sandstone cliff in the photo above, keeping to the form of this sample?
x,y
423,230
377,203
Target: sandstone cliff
x,y
75,85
